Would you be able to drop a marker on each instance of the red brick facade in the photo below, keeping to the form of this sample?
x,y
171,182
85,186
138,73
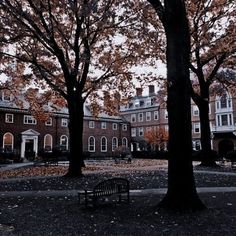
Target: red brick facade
x,y
106,129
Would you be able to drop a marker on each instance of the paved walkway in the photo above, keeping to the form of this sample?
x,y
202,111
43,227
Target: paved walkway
x,y
133,192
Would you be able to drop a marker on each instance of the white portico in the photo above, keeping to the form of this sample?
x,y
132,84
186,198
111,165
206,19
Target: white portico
x,y
29,142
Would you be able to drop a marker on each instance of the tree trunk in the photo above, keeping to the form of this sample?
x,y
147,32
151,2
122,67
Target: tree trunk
x,y
181,194
202,102
76,116
207,155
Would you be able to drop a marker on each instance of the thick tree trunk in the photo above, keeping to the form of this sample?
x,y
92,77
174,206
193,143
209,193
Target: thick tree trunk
x,y
181,194
202,102
76,116
208,159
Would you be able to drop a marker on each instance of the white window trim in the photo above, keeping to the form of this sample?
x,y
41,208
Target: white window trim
x,y
156,115
126,142
141,129
148,116
49,122
89,146
67,143
197,126
104,150
44,140
103,125
140,117
91,124
12,117
133,118
64,122
5,95
133,132
3,143
116,144
27,118
114,126
195,110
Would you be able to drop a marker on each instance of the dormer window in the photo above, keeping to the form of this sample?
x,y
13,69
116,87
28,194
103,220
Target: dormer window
x,y
6,96
141,103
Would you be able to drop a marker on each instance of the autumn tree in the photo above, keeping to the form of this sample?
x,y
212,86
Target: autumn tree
x,y
73,47
181,193
157,136
213,47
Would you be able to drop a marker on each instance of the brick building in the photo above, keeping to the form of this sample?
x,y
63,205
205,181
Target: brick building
x,y
19,131
145,113
22,133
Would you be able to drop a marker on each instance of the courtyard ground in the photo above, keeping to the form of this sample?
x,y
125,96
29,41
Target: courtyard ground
x,y
38,200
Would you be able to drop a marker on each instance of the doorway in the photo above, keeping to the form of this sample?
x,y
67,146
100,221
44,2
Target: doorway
x,y
29,148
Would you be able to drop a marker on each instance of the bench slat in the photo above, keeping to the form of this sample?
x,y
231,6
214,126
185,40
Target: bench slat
x,y
114,186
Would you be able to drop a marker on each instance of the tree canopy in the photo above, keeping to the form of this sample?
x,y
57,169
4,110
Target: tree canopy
x,y
75,48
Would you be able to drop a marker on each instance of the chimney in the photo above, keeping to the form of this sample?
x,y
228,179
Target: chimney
x,y
139,92
151,89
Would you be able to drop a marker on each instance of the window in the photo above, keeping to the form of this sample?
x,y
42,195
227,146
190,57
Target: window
x,y
124,127
29,120
103,144
64,142
141,103
91,144
148,103
140,131
148,116
49,122
197,128
133,132
64,122
140,117
8,141
6,96
103,125
91,124
166,114
114,126
197,145
9,118
133,118
224,119
195,111
125,142
223,101
114,143
156,115
48,142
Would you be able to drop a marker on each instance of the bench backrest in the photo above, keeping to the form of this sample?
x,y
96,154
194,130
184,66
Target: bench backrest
x,y
111,186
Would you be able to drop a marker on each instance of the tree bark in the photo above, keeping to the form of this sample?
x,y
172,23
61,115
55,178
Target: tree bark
x,y
202,101
207,155
76,117
181,194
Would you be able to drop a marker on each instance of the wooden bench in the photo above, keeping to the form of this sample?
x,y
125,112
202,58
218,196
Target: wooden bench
x,y
110,187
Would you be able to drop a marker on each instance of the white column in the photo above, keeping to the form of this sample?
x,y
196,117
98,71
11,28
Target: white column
x,y
36,145
23,147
